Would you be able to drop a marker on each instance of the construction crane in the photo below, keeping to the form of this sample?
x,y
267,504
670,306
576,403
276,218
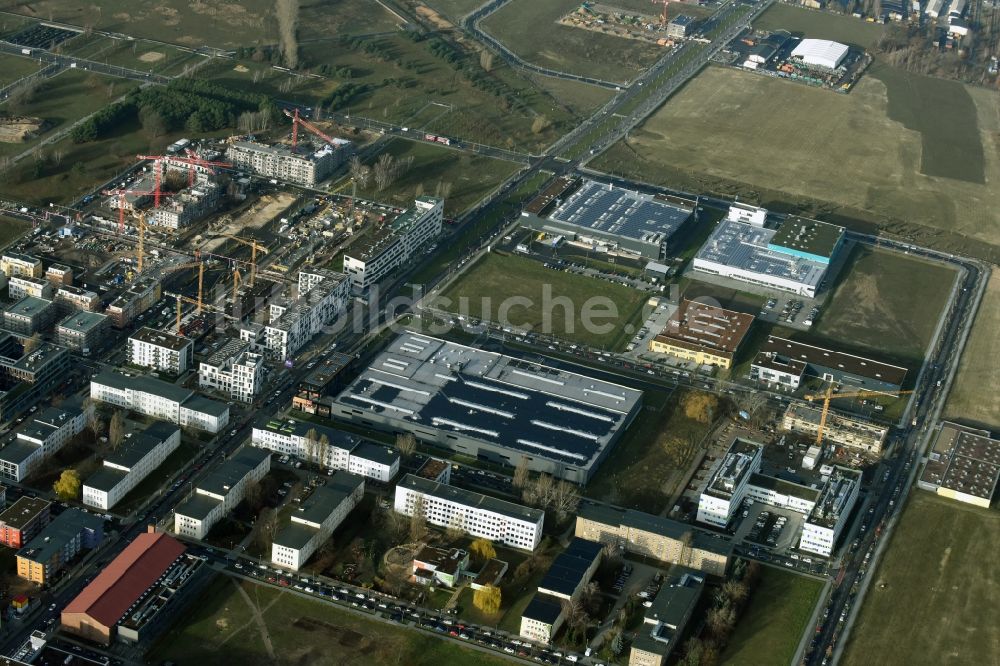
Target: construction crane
x,y
298,120
193,160
157,175
254,248
663,16
139,250
120,193
236,284
201,277
185,299
829,395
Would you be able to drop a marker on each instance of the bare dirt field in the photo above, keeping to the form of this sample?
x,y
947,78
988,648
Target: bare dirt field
x,y
257,215
18,129
975,394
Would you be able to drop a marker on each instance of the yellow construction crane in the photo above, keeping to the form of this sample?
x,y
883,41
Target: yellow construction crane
x,y
254,248
141,223
201,277
236,284
200,305
829,395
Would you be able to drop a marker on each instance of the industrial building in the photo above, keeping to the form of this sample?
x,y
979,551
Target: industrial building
x,y
492,407
218,492
840,429
820,53
15,264
28,378
479,515
656,537
963,465
322,296
565,580
308,167
44,434
680,26
746,214
135,300
702,333
233,370
609,218
30,315
58,543
439,566
21,521
149,348
138,455
83,331
666,618
392,244
332,449
786,363
22,286
315,519
793,258
161,400
144,578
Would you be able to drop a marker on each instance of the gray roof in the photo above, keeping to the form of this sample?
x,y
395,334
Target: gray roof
x,y
670,611
105,479
17,451
324,500
83,321
384,455
64,528
22,511
30,306
200,403
161,339
647,522
220,480
294,536
471,499
144,384
197,506
139,445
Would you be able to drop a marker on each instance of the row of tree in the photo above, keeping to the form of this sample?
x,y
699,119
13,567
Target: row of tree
x,y
727,604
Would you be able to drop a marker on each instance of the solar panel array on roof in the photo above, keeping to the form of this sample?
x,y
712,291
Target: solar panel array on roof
x,y
570,567
742,246
620,212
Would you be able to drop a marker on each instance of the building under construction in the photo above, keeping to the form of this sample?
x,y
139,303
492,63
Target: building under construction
x,y
303,166
852,433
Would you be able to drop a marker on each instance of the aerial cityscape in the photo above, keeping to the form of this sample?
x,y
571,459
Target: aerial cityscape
x,y
454,332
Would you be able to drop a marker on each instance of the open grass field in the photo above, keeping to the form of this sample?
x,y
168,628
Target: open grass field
x,y
581,98
529,29
470,177
975,393
820,25
887,302
937,585
245,623
145,56
900,150
11,229
523,292
14,67
454,9
768,631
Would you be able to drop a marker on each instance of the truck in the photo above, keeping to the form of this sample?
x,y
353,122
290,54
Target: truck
x,y
25,51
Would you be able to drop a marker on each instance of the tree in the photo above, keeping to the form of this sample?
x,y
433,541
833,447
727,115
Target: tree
x,y
406,444
456,527
418,521
540,124
565,500
92,416
521,474
617,644
384,171
33,343
482,550
152,122
116,429
521,572
288,24
692,652
323,450
266,527
487,599
736,590
310,442
684,558
68,485
700,407
721,620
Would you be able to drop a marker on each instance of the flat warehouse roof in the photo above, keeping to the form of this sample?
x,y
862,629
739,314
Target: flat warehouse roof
x,y
834,360
745,247
706,325
964,459
539,410
620,212
810,236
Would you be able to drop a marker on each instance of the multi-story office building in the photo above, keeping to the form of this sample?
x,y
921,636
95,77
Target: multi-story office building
x,y
139,297
52,549
322,296
16,264
134,459
220,491
28,378
702,333
826,520
83,331
785,363
70,298
303,167
21,521
391,245
233,370
160,400
43,435
330,449
851,432
564,582
21,286
315,519
479,515
666,618
30,315
728,485
154,349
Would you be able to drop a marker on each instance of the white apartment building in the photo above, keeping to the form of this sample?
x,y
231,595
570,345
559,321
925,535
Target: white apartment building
x,y
828,517
315,519
160,400
16,264
154,349
728,484
308,167
233,370
20,286
220,491
479,515
136,457
322,296
392,245
339,451
188,205
43,435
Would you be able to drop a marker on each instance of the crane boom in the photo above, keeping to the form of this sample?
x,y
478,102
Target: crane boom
x,y
829,395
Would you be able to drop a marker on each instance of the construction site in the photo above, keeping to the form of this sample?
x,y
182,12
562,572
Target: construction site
x,y
663,29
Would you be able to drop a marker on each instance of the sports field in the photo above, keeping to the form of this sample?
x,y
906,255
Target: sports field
x,y
767,633
245,623
899,149
887,302
548,301
820,25
529,29
975,393
934,596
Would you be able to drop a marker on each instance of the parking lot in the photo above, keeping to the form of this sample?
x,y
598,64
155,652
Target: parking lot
x,y
769,527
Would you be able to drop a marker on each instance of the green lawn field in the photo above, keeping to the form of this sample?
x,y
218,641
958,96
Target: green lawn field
x,y
820,25
975,393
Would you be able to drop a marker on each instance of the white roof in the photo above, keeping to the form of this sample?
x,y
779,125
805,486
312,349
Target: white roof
x,y
820,52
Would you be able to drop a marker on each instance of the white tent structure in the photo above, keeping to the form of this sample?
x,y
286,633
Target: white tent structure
x,y
820,53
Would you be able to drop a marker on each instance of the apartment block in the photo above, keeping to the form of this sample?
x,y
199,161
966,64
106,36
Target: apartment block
x,y
83,331
14,264
565,580
154,349
20,522
27,378
20,286
233,370
43,435
29,315
303,167
322,296
161,400
479,515
220,491
70,298
59,275
138,298
847,431
315,519
57,544
134,459
189,205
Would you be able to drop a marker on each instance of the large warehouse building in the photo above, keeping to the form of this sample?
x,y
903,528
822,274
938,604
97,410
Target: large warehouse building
x,y
613,218
793,258
820,53
490,406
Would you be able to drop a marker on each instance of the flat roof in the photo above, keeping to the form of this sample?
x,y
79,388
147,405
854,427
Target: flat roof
x,y
105,479
616,211
231,471
669,611
471,499
784,487
19,256
200,403
323,373
83,321
377,453
810,236
833,360
231,350
139,445
702,326
966,460
29,306
295,536
325,499
161,339
424,382
17,451
647,522
735,467
570,566
836,496
197,506
551,194
53,538
23,511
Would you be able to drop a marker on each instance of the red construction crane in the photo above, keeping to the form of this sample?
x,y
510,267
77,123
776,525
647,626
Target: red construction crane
x,y
663,16
120,193
195,161
157,173
297,120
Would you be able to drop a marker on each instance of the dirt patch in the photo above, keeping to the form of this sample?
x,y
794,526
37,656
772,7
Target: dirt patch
x,y
18,129
429,14
255,216
152,56
242,69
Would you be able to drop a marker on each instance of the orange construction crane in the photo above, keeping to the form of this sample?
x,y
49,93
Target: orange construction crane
x,y
829,395
141,223
192,301
298,120
193,160
663,16
255,247
120,193
236,284
201,277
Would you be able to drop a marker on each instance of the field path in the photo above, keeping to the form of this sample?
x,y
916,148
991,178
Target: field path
x,y
258,618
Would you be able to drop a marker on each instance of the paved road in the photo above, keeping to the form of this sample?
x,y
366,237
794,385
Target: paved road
x,y
82,63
